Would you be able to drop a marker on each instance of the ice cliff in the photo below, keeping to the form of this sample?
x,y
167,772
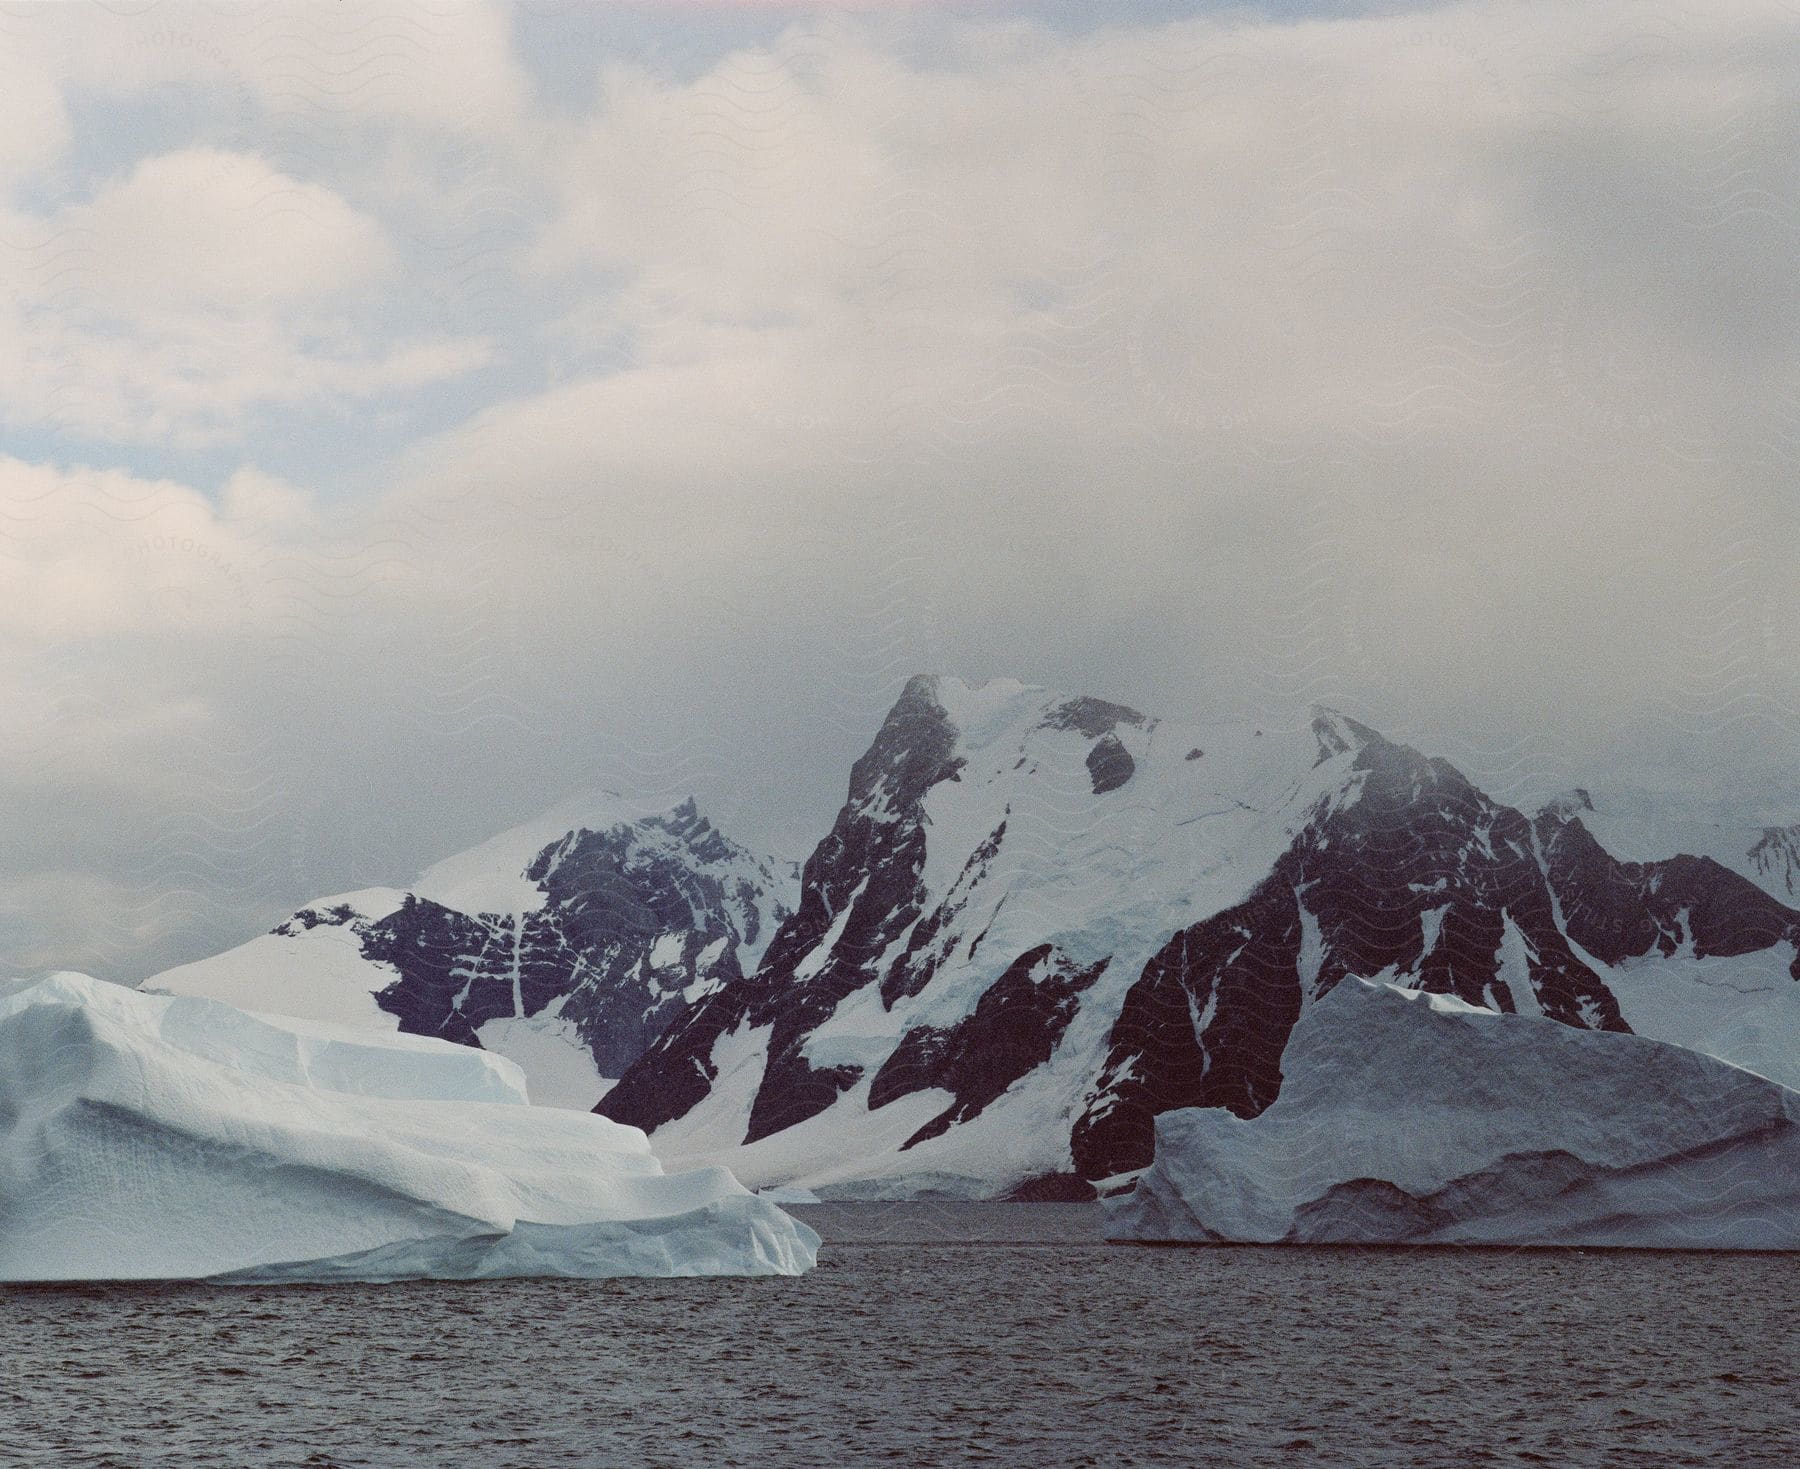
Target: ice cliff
x,y
1411,1118
174,1137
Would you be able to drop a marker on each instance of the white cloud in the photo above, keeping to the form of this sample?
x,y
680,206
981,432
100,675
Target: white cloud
x,y
301,66
182,298
199,288
253,497
34,126
99,556
216,230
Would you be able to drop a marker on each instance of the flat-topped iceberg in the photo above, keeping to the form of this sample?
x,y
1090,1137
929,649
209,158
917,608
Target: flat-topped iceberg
x,y
1408,1118
171,1137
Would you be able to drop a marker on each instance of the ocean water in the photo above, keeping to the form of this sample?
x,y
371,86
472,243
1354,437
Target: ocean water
x,y
936,1334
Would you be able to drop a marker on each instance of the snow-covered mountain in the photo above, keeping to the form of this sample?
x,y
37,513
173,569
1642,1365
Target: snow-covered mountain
x,y
566,943
1040,921
1411,1118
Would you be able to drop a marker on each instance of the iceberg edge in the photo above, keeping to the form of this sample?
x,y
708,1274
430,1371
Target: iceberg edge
x,y
156,1137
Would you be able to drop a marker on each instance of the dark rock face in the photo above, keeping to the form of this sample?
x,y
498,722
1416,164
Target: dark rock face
x,y
936,934
1012,1030
456,971
864,882
1422,840
1419,876
1620,910
865,876
1109,764
1091,717
309,918
1776,854
610,895
1053,1188
608,900
1204,1027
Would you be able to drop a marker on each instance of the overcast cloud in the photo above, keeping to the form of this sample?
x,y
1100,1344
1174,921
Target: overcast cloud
x,y
416,414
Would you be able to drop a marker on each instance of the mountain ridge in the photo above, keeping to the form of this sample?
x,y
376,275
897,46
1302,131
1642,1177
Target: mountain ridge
x,y
908,973
1037,922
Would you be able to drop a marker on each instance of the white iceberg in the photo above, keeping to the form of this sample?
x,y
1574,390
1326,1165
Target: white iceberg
x,y
173,1137
1406,1118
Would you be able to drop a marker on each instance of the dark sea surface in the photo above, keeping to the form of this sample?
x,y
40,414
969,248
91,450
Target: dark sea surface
x,y
936,1334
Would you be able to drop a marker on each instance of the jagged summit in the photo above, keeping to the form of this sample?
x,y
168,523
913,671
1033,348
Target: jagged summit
x,y
977,705
1641,825
1040,906
490,876
1339,734
1569,805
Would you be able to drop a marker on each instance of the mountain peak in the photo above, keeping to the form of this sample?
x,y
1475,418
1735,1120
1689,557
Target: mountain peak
x,y
1091,717
1569,804
1339,734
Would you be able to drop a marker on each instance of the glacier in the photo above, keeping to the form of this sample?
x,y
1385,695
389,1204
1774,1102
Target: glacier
x,y
147,1136
1413,1118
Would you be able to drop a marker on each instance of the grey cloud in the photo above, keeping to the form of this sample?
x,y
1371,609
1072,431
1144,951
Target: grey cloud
x,y
1429,364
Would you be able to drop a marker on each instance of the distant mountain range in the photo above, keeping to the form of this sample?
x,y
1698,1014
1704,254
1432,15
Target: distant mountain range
x,y
1037,923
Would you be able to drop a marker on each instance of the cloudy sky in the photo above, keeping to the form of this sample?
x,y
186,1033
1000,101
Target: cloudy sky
x,y
416,413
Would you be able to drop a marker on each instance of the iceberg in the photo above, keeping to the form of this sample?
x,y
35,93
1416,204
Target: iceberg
x,y
175,1137
1409,1118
